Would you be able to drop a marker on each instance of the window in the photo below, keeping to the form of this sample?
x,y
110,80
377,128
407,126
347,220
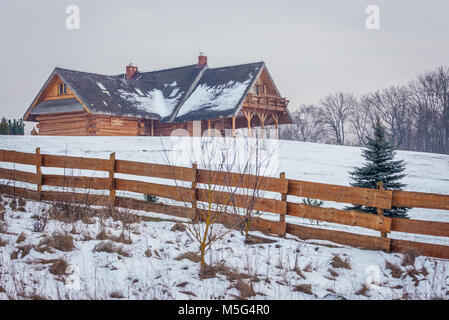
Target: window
x,y
260,89
62,88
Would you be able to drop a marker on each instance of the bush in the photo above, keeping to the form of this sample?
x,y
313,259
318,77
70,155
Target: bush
x,y
151,198
313,202
58,267
59,241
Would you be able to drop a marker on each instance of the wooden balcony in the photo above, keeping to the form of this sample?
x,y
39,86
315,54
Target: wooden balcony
x,y
265,101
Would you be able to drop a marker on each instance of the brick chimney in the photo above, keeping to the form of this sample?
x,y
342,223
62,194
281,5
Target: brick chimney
x,y
202,61
131,71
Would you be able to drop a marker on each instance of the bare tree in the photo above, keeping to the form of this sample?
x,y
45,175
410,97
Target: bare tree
x,y
227,189
334,114
306,125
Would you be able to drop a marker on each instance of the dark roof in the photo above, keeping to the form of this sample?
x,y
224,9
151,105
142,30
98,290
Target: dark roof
x,y
219,92
57,106
178,94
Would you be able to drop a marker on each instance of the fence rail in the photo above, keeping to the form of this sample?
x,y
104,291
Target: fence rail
x,y
381,199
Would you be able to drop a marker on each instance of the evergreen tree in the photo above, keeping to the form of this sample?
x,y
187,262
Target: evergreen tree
x,y
380,167
4,127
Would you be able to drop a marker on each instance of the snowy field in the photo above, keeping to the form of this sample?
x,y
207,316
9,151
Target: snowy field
x,y
158,263
151,266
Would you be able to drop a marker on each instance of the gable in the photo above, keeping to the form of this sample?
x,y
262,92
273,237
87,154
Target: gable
x,y
55,97
265,82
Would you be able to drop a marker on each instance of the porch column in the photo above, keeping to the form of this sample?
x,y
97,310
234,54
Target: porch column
x,y
208,127
233,127
152,127
249,115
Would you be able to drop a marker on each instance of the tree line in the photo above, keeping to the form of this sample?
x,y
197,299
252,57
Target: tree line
x,y
415,116
12,127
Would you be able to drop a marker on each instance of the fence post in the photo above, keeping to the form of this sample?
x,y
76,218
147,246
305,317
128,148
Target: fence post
x,y
39,172
282,223
111,179
194,189
380,211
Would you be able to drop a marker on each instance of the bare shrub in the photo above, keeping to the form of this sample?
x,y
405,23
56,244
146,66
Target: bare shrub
x,y
409,257
70,212
396,271
40,221
338,262
59,241
223,201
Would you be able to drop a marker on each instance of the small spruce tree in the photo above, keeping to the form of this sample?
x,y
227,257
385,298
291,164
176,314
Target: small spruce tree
x,y
4,127
380,166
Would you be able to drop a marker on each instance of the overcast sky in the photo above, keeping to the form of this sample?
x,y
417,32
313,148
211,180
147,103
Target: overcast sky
x,y
312,48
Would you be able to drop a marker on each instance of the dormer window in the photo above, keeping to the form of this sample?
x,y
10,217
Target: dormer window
x,y
62,88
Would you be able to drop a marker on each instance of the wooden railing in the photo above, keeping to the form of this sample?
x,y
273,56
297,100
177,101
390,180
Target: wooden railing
x,y
382,199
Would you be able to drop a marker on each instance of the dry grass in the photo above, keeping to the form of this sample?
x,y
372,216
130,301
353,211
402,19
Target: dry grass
x,y
363,291
333,273
59,241
3,242
396,271
305,288
117,295
192,256
308,268
21,238
178,227
21,252
409,257
338,262
148,253
13,204
2,212
58,267
104,235
246,290
110,247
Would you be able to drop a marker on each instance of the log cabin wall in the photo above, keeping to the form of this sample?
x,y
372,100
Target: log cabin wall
x,y
114,126
75,124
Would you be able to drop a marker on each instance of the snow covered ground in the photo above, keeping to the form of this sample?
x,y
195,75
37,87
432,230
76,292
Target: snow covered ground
x,y
153,267
271,266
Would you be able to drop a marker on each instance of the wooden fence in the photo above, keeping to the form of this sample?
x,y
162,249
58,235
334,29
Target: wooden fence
x,y
381,199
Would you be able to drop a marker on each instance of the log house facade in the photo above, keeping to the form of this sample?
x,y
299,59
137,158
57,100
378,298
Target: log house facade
x,y
73,103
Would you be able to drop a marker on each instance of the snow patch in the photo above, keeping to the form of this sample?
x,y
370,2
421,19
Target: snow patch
x,y
217,98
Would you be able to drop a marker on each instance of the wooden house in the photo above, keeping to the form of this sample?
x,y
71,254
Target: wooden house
x,y
156,103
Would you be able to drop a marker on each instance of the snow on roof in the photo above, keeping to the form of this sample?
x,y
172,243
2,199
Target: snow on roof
x,y
216,98
153,102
